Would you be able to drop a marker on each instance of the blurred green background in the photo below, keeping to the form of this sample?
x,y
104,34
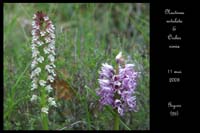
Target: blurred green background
x,y
87,35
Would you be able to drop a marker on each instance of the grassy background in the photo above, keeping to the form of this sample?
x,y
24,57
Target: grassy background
x,y
86,36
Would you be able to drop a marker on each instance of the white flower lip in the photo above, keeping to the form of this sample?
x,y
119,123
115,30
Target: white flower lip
x,y
42,83
51,58
46,18
34,86
50,78
34,98
35,53
46,50
52,101
49,88
37,71
42,33
40,59
45,110
117,83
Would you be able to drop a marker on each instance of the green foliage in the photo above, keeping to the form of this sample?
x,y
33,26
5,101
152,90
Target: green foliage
x,y
87,35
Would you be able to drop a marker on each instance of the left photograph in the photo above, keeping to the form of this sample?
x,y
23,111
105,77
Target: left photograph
x,y
76,66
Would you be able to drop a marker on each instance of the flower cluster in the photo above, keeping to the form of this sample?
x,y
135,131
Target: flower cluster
x,y
117,86
43,57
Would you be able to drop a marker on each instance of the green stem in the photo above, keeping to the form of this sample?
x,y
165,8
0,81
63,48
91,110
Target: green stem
x,y
43,102
116,115
44,116
45,121
116,121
